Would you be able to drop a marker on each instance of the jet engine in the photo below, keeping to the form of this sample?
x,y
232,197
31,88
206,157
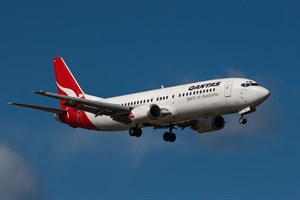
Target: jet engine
x,y
209,124
145,113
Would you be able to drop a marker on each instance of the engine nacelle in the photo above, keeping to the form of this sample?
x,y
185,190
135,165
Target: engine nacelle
x,y
145,113
209,124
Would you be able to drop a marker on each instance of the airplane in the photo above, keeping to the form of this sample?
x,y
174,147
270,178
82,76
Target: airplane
x,y
199,106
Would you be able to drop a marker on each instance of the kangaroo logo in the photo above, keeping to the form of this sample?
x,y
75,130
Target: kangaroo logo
x,y
69,92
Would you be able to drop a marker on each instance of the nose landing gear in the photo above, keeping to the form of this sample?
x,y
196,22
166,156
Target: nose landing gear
x,y
243,119
248,110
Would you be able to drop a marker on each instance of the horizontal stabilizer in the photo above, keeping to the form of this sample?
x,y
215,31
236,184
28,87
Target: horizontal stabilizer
x,y
117,112
41,108
91,103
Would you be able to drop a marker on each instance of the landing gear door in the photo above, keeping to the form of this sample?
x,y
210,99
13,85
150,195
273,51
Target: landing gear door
x,y
228,88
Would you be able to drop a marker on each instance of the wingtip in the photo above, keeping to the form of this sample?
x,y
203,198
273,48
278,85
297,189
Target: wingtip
x,y
11,103
38,92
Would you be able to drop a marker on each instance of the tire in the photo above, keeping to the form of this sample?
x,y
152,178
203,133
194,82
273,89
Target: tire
x,y
138,132
166,136
132,131
172,137
241,120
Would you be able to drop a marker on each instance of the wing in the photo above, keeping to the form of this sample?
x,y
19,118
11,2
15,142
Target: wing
x,y
41,108
116,112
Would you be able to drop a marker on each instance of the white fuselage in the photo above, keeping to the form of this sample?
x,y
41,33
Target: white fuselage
x,y
188,102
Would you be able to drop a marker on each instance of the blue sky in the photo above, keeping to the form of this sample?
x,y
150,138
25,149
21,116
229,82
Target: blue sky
x,y
118,47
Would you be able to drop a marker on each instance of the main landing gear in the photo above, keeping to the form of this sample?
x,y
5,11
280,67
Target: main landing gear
x,y
169,136
135,131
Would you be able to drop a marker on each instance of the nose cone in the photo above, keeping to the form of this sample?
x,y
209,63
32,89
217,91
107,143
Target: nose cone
x,y
262,94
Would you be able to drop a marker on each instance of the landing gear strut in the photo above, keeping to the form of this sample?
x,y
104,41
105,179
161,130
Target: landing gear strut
x,y
248,110
169,136
135,131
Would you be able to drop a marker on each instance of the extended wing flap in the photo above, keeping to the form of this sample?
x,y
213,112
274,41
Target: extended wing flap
x,y
41,108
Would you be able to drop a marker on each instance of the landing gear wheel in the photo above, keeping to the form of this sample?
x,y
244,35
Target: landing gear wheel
x,y
172,137
243,120
138,132
169,137
166,136
134,131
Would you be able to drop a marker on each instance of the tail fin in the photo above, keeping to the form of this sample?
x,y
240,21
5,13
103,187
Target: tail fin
x,y
65,81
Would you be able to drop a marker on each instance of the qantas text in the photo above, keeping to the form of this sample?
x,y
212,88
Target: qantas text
x,y
206,85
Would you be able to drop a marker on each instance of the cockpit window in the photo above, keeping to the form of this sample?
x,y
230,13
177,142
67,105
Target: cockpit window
x,y
249,83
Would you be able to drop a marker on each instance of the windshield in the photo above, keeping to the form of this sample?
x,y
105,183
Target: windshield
x,y
249,83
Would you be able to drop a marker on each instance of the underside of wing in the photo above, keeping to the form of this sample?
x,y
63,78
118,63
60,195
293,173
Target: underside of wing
x,y
181,124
